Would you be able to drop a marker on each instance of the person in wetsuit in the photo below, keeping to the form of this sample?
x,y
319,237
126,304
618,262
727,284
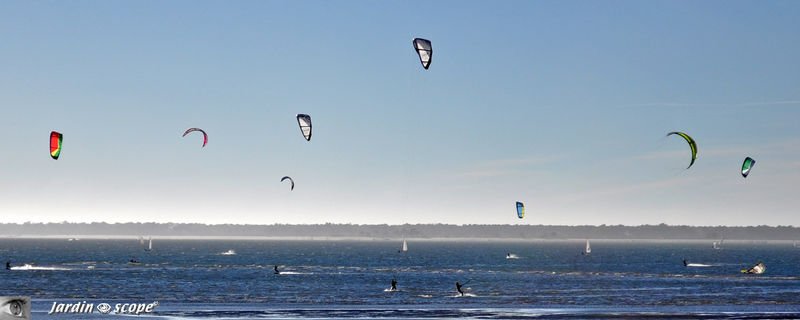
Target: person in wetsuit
x,y
276,270
685,264
394,285
458,288
8,265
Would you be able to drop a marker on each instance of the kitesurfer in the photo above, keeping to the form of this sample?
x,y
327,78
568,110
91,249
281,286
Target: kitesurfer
x,y
759,268
508,255
458,288
276,270
685,264
8,265
394,285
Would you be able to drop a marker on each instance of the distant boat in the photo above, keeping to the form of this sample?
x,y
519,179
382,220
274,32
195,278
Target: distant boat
x,y
150,245
717,245
141,240
588,248
405,246
794,244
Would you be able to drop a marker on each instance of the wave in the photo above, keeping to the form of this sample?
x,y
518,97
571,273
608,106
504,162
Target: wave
x,y
228,253
699,265
293,272
477,313
465,295
733,275
79,263
32,267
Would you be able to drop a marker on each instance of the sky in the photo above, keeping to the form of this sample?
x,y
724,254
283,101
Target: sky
x,y
562,105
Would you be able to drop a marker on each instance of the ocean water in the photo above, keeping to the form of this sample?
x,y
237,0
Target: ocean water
x,y
193,279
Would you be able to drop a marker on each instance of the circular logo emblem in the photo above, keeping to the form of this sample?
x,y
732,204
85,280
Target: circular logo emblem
x,y
104,308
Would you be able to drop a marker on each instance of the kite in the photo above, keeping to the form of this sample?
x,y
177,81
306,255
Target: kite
x,y
692,145
55,144
290,180
520,210
747,165
205,136
304,121
425,51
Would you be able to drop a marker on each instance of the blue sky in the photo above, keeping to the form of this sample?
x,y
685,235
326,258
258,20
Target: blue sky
x,y
561,105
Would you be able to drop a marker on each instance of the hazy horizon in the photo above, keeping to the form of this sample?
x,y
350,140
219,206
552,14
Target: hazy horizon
x,y
399,224
415,231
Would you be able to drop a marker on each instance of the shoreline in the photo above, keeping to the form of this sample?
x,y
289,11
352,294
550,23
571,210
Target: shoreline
x,y
386,239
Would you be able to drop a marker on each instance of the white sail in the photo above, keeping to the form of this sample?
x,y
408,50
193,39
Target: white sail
x,y
588,247
405,246
150,245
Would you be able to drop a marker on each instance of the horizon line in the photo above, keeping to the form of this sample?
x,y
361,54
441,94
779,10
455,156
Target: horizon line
x,y
405,224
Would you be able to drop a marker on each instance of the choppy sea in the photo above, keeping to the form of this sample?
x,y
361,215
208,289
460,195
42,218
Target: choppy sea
x,y
234,279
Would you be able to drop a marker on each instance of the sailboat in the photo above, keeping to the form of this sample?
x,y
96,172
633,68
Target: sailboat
x,y
150,246
405,246
588,248
717,244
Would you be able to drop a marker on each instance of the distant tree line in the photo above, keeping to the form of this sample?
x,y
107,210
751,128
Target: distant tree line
x,y
380,231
